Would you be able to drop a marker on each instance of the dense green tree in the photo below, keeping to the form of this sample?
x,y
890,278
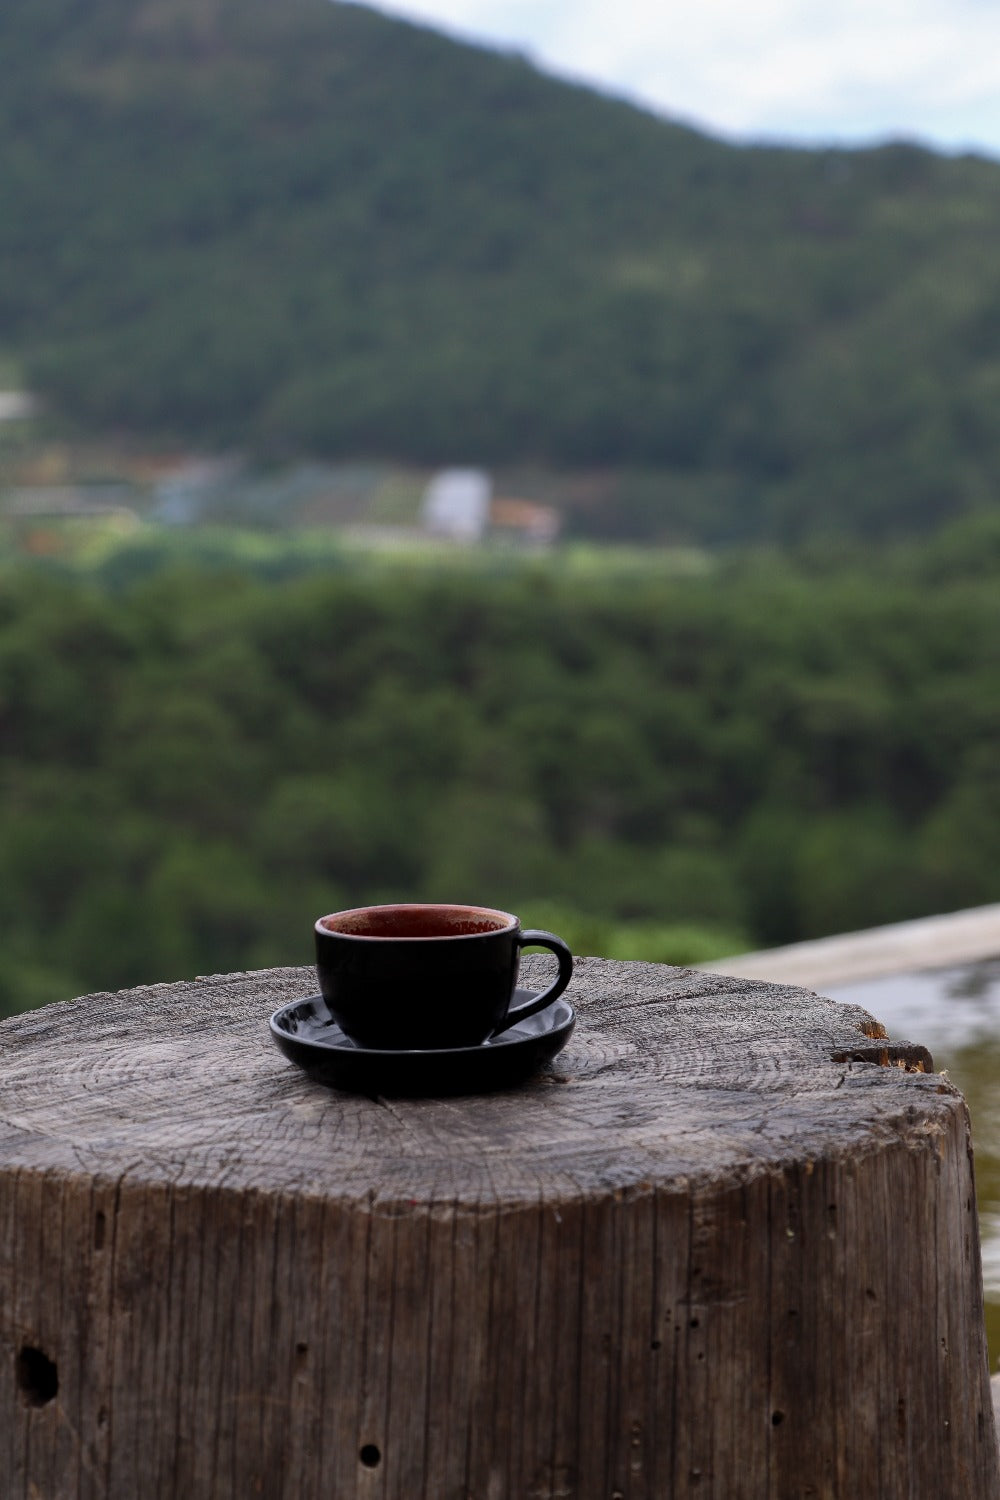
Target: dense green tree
x,y
194,767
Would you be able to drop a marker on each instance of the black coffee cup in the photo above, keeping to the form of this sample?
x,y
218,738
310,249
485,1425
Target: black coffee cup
x,y
419,976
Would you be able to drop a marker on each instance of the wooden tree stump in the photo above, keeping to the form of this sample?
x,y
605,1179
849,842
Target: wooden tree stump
x,y
718,1250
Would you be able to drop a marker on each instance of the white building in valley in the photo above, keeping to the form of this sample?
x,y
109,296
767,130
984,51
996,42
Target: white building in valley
x,y
456,504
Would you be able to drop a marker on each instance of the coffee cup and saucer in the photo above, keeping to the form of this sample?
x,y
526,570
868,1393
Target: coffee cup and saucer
x,y
424,999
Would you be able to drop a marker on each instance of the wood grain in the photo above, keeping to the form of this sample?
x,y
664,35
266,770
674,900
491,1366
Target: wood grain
x,y
726,1246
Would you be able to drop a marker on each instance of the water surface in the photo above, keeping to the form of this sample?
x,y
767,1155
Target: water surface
x,y
956,1014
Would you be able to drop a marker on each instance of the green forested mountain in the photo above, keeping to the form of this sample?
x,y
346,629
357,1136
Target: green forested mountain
x,y
303,227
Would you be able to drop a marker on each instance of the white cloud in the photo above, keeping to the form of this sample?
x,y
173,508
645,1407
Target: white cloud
x,y
794,69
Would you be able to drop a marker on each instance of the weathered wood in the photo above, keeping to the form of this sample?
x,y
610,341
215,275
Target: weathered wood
x,y
700,1257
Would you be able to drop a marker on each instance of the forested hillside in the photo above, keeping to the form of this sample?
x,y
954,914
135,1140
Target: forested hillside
x,y
306,228
195,765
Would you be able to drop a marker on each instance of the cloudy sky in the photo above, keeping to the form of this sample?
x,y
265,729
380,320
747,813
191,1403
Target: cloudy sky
x,y
794,70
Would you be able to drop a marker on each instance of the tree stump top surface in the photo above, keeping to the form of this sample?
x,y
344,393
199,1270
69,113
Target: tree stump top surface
x,y
672,1077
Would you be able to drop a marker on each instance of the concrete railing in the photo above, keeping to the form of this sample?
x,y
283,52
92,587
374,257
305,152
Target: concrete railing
x,y
927,943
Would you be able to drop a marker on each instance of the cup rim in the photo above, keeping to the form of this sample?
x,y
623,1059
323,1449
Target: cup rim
x,y
510,922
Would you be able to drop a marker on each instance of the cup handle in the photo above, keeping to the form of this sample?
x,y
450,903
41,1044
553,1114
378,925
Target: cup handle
x,y
532,939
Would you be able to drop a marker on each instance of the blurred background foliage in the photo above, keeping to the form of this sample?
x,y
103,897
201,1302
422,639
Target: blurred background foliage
x,y
309,228
306,231
196,761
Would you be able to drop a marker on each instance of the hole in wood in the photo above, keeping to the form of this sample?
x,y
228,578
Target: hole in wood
x,y
777,1417
99,1229
37,1376
370,1456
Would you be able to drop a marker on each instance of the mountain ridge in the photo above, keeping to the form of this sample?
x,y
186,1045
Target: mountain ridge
x,y
315,228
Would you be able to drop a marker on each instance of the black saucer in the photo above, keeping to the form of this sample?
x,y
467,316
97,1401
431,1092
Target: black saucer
x,y
306,1033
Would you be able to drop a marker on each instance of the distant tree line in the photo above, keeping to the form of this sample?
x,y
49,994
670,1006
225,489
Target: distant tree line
x,y
194,766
